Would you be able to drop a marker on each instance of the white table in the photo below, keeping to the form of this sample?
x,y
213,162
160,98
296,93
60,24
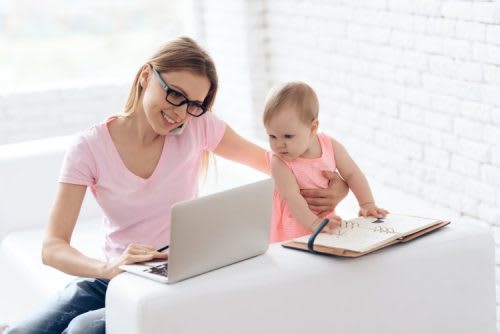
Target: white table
x,y
441,283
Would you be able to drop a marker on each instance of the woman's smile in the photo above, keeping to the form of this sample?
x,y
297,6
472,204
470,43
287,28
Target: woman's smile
x,y
167,118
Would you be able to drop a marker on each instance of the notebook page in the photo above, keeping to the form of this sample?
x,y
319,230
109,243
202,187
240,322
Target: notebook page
x,y
354,239
395,223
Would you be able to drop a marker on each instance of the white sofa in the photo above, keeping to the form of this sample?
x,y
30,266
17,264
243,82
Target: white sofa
x,y
442,283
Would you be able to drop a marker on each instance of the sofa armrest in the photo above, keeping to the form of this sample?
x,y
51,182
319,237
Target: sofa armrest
x,y
28,179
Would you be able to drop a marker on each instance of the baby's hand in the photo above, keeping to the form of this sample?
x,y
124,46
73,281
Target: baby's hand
x,y
332,226
370,209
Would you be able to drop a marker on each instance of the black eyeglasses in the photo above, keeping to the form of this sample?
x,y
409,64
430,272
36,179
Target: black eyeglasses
x,y
178,99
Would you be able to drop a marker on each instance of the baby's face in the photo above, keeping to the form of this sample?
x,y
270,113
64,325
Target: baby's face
x,y
288,136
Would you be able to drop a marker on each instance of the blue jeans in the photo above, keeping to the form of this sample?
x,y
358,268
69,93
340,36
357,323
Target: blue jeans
x,y
79,308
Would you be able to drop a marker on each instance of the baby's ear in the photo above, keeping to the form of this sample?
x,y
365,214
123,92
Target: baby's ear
x,y
314,125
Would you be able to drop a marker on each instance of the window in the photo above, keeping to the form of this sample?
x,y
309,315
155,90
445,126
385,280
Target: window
x,y
60,43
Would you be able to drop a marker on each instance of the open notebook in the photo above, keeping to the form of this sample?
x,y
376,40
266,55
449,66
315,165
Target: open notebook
x,y
363,235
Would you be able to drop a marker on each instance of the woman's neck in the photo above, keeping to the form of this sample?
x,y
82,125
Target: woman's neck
x,y
136,129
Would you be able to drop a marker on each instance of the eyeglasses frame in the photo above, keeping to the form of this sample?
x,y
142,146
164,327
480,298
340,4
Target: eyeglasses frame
x,y
169,90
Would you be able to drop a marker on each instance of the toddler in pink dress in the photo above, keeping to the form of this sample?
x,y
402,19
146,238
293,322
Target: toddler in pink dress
x,y
299,155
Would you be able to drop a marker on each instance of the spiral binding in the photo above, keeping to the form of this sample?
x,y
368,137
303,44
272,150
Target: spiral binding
x,y
348,224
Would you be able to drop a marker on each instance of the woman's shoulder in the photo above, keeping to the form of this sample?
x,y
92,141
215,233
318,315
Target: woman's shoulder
x,y
206,130
97,131
206,120
92,136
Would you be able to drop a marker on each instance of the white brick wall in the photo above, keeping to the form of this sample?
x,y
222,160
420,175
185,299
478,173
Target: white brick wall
x,y
238,49
411,87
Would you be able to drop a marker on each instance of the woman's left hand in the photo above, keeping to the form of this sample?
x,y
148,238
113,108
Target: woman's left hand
x,y
324,201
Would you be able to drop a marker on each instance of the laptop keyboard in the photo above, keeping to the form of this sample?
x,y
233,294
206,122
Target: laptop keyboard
x,y
161,269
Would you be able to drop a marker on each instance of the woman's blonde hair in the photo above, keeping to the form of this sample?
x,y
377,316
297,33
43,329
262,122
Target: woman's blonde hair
x,y
297,95
180,54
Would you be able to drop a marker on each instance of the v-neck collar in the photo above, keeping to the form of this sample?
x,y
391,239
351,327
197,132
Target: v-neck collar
x,y
117,156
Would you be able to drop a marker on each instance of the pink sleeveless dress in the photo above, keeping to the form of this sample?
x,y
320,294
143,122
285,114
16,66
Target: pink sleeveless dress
x,y
308,173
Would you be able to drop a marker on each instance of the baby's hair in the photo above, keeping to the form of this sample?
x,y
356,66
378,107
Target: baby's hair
x,y
297,95
180,54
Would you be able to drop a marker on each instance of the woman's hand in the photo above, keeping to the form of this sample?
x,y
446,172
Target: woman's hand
x,y
324,201
133,253
370,209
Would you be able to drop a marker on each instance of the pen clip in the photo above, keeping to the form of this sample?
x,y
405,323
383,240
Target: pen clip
x,y
163,248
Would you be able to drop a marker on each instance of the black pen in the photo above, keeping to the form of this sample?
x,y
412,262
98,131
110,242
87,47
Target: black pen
x,y
163,248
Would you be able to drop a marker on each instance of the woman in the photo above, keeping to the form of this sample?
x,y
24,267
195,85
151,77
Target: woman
x,y
137,165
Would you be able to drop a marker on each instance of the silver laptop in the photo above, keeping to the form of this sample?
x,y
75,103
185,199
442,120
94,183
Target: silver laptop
x,y
214,231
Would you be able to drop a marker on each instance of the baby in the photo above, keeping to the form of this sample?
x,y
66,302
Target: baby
x,y
299,155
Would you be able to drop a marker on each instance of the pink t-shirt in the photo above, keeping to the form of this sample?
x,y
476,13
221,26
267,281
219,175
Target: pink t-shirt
x,y
137,210
308,173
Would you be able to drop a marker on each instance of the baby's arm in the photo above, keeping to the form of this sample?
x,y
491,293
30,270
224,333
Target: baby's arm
x,y
356,180
290,192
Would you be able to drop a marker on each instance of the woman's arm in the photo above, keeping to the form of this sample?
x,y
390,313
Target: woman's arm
x,y
324,201
57,251
235,148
